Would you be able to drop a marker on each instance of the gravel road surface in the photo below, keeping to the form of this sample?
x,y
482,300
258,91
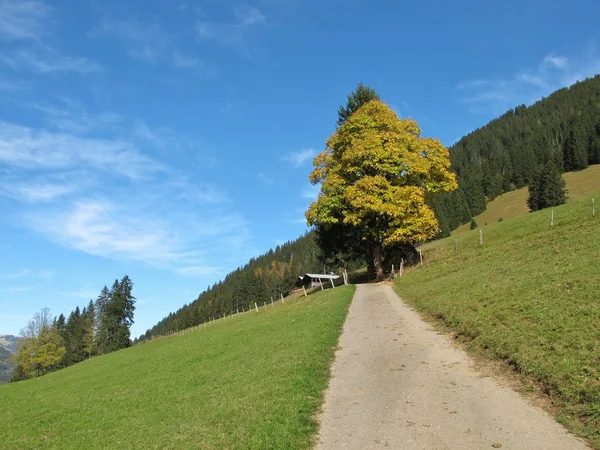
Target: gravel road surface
x,y
398,384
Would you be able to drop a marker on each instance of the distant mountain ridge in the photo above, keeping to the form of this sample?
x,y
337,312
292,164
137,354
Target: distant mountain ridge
x,y
8,342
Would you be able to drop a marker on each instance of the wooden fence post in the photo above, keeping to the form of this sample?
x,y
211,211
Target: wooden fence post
x,y
552,218
421,256
455,246
282,300
304,289
481,237
256,306
593,207
332,283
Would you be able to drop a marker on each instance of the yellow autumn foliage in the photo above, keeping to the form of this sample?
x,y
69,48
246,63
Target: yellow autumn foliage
x,y
376,174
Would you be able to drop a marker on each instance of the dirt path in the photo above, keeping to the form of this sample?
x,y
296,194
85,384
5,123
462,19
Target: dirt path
x,y
398,384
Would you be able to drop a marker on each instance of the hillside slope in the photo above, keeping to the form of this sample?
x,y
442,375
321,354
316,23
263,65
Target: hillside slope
x,y
505,154
252,381
514,204
528,296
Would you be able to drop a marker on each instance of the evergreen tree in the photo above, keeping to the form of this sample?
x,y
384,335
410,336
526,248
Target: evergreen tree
x,y
89,322
576,151
547,189
101,320
361,95
473,225
116,316
73,337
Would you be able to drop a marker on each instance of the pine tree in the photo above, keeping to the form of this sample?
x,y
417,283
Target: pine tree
x,y
101,320
473,225
547,189
74,338
116,316
361,95
89,322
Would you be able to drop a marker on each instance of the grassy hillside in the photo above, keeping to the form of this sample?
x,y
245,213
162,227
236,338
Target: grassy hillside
x,y
529,296
253,381
513,204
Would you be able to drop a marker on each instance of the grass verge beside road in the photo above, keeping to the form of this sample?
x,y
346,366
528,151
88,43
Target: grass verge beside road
x,y
251,382
530,296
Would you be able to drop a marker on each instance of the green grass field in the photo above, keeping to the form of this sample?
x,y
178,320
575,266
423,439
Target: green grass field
x,y
530,296
514,204
251,382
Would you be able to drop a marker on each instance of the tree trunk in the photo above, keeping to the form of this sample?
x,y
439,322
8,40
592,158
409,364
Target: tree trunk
x,y
378,264
370,261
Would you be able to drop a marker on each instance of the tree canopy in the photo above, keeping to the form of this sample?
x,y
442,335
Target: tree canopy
x,y
377,174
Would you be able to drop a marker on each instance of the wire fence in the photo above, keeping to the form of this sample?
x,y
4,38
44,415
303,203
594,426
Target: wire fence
x,y
255,308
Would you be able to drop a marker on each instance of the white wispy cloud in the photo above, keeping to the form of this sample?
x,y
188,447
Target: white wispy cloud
x,y
32,148
184,61
47,60
150,42
22,19
44,274
267,180
145,41
559,62
71,116
84,294
14,275
310,192
245,19
16,289
111,198
104,228
300,157
37,192
26,22
553,72
13,85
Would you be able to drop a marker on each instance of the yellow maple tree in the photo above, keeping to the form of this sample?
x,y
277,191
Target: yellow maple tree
x,y
377,173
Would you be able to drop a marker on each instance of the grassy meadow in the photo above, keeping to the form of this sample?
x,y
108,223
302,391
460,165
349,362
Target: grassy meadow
x,y
514,204
530,296
251,382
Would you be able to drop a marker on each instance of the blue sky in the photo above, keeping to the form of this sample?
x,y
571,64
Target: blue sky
x,y
172,141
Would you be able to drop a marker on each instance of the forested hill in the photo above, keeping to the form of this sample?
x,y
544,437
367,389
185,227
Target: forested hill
x,y
505,154
271,274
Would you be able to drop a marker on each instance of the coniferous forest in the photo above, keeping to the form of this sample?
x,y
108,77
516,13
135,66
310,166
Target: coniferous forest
x,y
507,153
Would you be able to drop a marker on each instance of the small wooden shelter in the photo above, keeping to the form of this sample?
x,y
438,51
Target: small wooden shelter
x,y
316,280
